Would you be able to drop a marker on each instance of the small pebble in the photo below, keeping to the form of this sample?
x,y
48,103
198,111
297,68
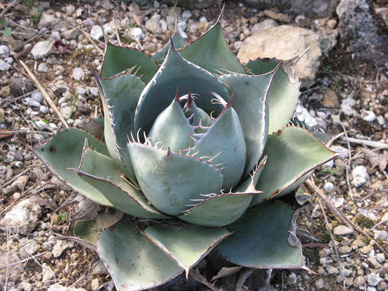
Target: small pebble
x,y
78,73
373,279
292,279
43,109
359,281
329,186
369,116
360,176
37,96
332,270
342,230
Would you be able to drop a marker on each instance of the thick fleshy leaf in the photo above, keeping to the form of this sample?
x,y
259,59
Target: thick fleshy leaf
x,y
172,129
102,173
170,180
284,92
261,239
224,144
186,244
291,154
89,231
119,97
63,153
177,72
133,261
262,66
221,210
212,53
178,42
118,59
251,104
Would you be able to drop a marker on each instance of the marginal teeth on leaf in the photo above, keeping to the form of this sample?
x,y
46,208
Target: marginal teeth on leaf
x,y
218,100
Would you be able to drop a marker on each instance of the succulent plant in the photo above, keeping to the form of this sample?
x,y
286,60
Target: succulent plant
x,y
197,149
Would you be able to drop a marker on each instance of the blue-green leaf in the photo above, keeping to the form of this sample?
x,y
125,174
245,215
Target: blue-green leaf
x,y
118,59
133,261
171,181
261,239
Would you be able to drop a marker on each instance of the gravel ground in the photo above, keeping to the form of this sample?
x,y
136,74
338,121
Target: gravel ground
x,y
342,226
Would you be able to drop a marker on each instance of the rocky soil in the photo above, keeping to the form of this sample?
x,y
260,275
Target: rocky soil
x,y
58,46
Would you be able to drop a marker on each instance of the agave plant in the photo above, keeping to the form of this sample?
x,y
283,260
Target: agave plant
x,y
197,149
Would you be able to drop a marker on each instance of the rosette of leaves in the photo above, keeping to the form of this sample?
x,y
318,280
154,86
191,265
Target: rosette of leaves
x,y
197,149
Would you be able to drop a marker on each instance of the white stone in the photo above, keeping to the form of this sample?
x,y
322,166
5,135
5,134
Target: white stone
x,y
4,66
78,73
292,279
37,96
182,25
332,270
360,176
381,119
47,273
41,49
96,32
81,91
381,234
4,51
203,19
346,106
43,109
30,102
42,68
329,186
23,217
342,230
369,116
380,258
305,116
265,24
93,91
186,14
373,279
60,246
137,33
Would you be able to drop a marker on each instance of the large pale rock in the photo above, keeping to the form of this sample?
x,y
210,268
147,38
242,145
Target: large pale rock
x,y
285,42
23,217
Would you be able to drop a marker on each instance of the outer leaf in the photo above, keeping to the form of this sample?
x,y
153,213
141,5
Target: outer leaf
x,y
102,172
186,244
251,104
170,180
212,53
133,261
90,230
118,59
63,152
119,97
172,129
178,42
291,154
160,92
261,239
221,210
284,92
224,140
